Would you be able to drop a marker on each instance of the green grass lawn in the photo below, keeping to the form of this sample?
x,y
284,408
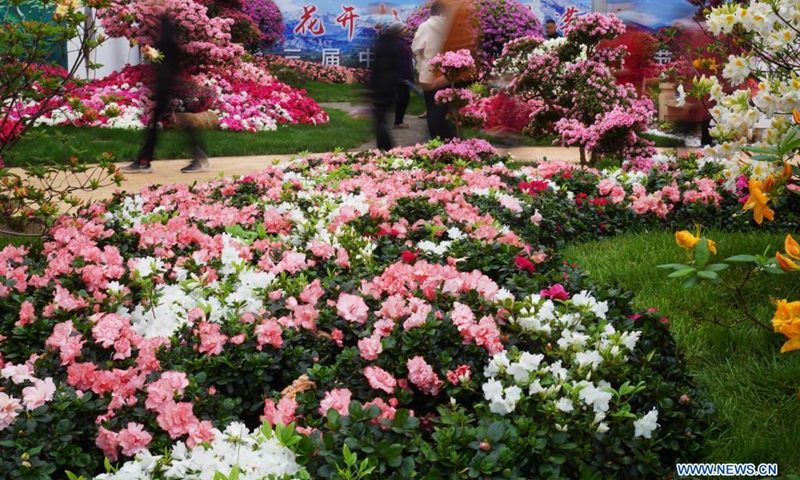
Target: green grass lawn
x,y
753,385
341,132
664,142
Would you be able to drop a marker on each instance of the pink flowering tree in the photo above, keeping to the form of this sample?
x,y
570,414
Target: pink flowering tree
x,y
455,65
207,40
571,86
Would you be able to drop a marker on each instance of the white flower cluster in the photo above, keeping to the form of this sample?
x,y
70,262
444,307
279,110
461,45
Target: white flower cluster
x,y
566,378
238,290
773,28
257,455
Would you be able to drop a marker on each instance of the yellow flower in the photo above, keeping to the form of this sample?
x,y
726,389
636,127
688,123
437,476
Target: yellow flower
x,y
787,322
792,247
712,246
786,263
791,261
796,115
758,203
686,240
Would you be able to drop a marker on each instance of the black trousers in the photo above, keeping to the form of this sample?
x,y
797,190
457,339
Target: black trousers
x,y
438,124
382,134
164,93
401,105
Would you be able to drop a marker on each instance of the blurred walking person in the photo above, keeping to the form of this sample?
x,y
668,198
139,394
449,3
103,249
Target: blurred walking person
x,y
428,42
449,29
168,74
389,75
406,81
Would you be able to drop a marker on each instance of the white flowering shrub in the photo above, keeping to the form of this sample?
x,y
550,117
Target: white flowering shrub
x,y
234,453
770,57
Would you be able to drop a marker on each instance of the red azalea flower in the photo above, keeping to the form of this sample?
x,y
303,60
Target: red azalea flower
x,y
408,256
525,264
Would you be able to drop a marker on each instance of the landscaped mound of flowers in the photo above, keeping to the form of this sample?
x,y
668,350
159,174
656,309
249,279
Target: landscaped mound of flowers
x,y
244,99
499,22
406,314
297,72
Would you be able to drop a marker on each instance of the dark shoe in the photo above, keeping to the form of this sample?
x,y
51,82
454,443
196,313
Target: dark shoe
x,y
198,165
137,167
401,126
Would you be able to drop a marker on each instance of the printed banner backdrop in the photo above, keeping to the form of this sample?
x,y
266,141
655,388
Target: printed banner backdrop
x,y
653,15
343,33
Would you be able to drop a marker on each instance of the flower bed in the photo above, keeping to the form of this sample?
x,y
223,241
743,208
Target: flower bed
x,y
413,311
300,71
245,99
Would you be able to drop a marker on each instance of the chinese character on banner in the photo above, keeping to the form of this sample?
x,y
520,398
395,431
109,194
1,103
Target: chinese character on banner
x,y
367,56
568,17
309,24
331,56
348,20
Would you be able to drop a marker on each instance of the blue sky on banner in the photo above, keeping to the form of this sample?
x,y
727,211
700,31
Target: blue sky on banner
x,y
321,30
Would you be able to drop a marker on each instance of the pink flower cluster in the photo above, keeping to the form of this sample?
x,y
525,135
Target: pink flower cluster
x,y
453,64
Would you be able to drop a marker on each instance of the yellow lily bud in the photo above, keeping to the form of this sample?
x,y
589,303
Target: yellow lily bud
x,y
792,247
686,240
769,184
712,246
786,263
786,173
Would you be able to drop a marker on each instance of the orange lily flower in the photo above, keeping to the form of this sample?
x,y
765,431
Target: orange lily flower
x,y
758,203
787,322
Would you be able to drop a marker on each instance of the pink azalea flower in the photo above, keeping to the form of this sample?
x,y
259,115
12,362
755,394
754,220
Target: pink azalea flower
x,y
281,414
9,406
38,394
380,379
133,439
370,347
337,399
422,375
352,308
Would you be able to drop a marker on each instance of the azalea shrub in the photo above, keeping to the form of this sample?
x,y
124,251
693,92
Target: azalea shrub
x,y
205,36
246,98
269,19
405,314
572,85
497,23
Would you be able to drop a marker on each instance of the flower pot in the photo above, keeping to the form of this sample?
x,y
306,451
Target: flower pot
x,y
668,94
196,121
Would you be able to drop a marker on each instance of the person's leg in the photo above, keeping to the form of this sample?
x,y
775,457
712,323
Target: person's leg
x,y
403,99
438,124
382,134
200,161
145,155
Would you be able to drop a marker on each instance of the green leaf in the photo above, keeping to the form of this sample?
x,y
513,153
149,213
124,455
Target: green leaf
x,y
496,431
710,276
718,267
682,273
742,259
702,254
673,266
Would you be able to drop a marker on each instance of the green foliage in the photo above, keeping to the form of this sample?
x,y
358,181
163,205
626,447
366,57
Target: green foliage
x,y
753,386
